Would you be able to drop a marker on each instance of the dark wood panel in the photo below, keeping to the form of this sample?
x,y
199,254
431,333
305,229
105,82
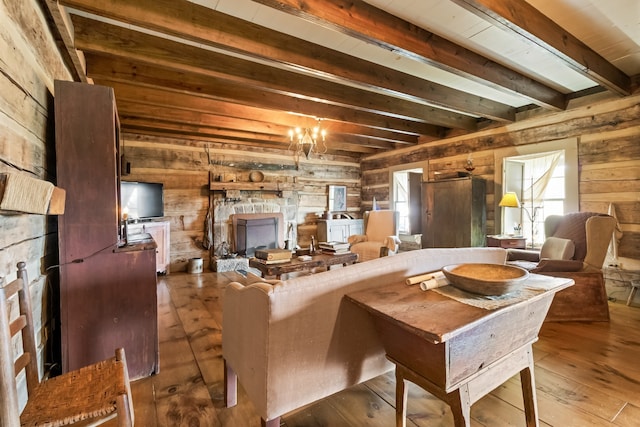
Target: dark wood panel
x,y
109,301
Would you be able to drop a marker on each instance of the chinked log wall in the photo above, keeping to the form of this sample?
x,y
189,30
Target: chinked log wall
x,y
30,63
608,137
183,166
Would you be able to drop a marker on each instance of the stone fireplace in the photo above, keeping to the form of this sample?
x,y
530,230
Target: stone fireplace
x,y
227,212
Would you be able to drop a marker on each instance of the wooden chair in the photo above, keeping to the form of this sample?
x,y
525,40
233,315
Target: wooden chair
x,y
97,393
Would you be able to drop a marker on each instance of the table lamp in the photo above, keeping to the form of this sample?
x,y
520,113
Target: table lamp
x,y
510,200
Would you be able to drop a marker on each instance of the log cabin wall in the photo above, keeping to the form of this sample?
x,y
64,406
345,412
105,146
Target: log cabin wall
x,y
186,166
30,63
607,132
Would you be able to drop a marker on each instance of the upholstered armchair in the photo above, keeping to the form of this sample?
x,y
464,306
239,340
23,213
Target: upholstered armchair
x,y
380,236
575,247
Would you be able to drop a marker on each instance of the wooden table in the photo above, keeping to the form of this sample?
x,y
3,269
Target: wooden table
x,y
295,265
456,351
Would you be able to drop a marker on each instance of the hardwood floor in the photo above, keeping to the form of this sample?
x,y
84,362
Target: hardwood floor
x,y
587,374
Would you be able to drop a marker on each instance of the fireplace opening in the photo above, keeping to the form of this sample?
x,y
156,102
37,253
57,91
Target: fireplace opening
x,y
257,231
256,234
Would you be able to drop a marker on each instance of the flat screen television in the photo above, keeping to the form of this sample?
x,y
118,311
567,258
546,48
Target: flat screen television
x,y
142,200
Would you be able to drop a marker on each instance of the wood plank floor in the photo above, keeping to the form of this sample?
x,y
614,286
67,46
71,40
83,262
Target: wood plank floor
x,y
587,374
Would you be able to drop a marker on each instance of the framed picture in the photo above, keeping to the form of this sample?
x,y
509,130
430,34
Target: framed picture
x,y
337,198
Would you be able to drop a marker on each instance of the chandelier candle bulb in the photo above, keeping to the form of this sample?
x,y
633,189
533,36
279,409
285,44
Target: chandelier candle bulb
x,y
307,141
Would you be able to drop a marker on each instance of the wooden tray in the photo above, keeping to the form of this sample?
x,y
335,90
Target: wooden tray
x,y
486,279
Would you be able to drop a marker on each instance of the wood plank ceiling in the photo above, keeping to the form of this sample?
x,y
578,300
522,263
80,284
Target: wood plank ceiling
x,y
379,75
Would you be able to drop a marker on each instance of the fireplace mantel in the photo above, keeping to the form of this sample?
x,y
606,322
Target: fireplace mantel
x,y
224,187
247,186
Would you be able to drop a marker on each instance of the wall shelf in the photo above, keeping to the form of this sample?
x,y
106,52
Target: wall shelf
x,y
273,187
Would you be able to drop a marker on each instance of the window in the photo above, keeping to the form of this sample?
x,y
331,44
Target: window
x,y
401,200
539,181
407,200
515,167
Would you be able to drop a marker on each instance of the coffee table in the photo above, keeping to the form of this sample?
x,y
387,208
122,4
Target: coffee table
x,y
455,351
295,265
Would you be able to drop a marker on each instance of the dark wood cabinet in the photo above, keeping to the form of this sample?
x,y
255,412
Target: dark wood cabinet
x,y
107,291
454,213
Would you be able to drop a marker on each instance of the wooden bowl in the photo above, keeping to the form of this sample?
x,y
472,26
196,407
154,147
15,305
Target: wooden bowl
x,y
486,279
256,176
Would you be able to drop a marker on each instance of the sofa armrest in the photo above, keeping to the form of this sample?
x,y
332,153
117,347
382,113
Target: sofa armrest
x,y
558,265
245,341
522,255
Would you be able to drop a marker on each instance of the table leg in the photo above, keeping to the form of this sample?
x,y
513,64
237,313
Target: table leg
x,y
635,284
460,404
528,382
402,394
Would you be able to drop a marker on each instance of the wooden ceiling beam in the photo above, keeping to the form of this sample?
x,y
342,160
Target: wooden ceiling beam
x,y
100,37
148,126
231,127
214,121
185,19
372,25
108,70
134,120
192,132
521,18
132,93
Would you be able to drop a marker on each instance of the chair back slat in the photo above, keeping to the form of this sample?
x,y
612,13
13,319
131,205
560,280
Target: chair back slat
x,y
13,288
17,325
21,363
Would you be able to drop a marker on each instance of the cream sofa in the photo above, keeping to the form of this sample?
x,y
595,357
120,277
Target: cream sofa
x,y
293,342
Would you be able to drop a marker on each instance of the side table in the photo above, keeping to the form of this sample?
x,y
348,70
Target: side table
x,y
617,277
502,241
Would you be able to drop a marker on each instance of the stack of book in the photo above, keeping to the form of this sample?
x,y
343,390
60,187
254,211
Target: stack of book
x,y
273,256
334,247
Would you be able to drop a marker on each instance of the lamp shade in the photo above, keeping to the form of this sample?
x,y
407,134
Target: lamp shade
x,y
510,200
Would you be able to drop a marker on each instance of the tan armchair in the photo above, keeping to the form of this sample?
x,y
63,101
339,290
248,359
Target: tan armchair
x,y
576,247
380,238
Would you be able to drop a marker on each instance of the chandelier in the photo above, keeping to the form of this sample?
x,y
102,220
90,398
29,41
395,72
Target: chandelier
x,y
307,141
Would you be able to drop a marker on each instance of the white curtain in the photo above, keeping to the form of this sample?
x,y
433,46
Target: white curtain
x,y
542,171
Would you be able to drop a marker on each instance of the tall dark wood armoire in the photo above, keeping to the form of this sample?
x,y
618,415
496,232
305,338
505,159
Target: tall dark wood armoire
x,y
107,290
454,213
